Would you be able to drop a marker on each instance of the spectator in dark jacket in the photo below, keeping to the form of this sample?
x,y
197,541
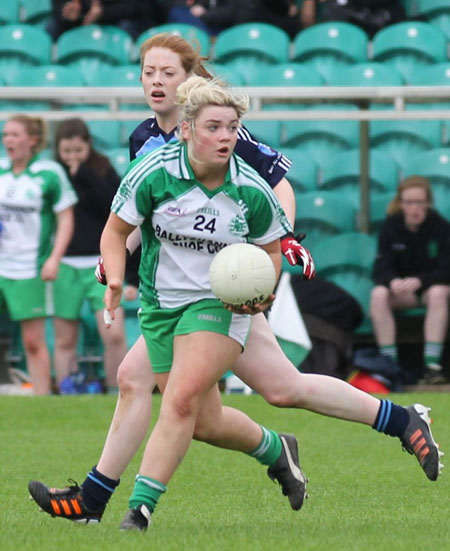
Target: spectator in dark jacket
x,y
412,268
95,182
216,16
370,15
132,16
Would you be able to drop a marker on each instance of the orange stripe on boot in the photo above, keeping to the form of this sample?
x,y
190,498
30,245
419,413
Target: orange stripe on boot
x,y
419,444
76,507
424,453
415,435
55,507
66,507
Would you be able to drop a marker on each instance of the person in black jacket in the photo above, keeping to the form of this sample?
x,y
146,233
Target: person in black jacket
x,y
412,268
214,17
133,16
370,15
95,182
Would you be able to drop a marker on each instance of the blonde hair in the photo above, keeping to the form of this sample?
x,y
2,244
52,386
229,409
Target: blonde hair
x,y
198,92
34,126
407,183
191,61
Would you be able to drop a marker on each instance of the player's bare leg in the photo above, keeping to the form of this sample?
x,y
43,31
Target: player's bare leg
x,y
36,354
115,346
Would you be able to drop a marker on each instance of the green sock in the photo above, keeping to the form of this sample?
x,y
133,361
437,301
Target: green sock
x,y
146,491
389,350
433,352
269,449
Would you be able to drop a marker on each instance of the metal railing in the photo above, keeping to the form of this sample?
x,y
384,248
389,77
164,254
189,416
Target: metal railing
x,y
395,98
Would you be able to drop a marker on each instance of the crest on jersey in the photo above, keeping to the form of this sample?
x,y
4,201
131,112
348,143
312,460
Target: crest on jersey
x,y
238,226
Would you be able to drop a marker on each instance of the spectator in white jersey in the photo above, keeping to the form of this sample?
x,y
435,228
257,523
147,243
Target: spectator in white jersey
x,y
36,201
167,61
95,182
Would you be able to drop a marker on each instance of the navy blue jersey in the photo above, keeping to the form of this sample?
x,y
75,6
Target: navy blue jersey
x,y
269,163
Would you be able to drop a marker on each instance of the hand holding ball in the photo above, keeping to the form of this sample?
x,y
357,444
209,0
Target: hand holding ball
x,y
242,275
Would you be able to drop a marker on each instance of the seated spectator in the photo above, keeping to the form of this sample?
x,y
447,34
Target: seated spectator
x,y
412,268
132,16
95,182
214,17
370,15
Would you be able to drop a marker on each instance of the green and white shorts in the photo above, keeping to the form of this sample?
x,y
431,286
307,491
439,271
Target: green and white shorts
x,y
26,298
72,287
160,325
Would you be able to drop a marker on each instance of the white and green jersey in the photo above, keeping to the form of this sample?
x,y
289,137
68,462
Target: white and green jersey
x,y
184,224
28,203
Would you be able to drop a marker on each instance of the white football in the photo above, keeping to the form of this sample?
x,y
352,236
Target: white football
x,y
242,274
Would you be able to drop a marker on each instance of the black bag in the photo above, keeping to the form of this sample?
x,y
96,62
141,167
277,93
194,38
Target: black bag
x,y
328,301
330,315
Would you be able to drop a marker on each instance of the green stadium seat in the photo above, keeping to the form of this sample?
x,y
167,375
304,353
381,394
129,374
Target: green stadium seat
x,y
122,75
346,251
435,166
343,172
94,48
347,261
403,139
267,132
106,134
378,209
251,47
410,7
48,75
409,46
303,173
443,207
328,47
198,38
9,12
36,12
322,138
227,74
368,73
119,158
436,12
286,74
45,75
321,214
22,46
437,74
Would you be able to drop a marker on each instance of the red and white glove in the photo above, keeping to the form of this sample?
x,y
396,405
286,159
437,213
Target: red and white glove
x,y
297,254
100,274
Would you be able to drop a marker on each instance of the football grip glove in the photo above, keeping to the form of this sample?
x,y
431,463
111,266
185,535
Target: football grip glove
x,y
297,254
100,274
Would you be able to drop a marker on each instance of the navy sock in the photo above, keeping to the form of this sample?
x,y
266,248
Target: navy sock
x,y
97,489
391,419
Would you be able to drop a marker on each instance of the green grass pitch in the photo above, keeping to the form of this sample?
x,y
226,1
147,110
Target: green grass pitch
x,y
365,493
